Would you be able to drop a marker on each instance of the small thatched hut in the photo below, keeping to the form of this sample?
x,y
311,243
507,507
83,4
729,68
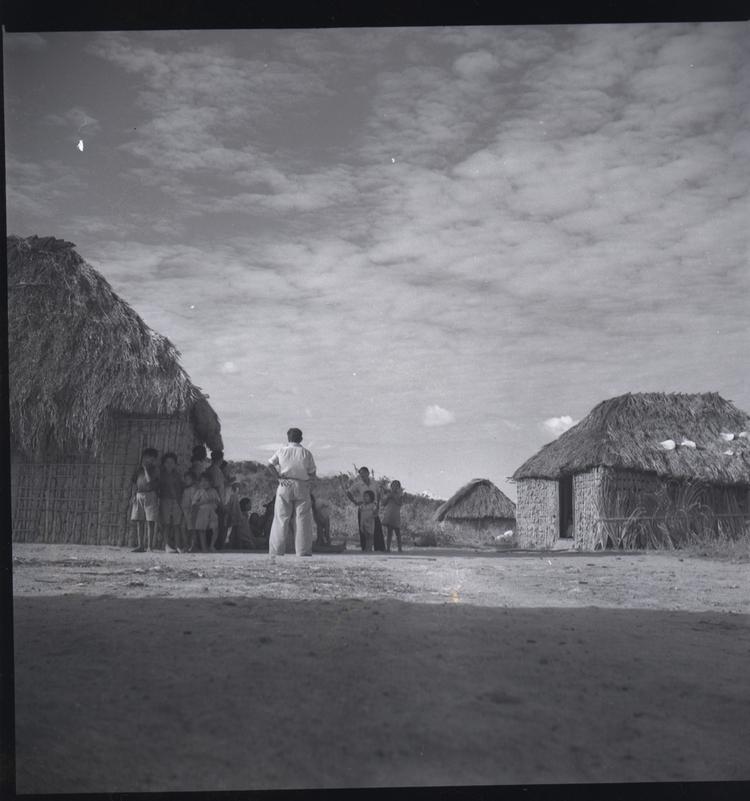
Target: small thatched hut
x,y
479,507
91,385
601,473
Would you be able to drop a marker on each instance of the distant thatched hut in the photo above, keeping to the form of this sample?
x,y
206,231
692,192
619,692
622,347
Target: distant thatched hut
x,y
479,507
91,385
601,473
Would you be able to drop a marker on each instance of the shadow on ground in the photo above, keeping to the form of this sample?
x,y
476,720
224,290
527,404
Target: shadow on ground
x,y
211,694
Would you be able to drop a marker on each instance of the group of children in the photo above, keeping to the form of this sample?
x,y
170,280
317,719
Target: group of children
x,y
390,504
201,508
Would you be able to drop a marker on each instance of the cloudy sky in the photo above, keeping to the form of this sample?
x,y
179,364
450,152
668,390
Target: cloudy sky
x,y
433,249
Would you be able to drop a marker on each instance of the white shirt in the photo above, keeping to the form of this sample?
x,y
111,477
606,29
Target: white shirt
x,y
294,461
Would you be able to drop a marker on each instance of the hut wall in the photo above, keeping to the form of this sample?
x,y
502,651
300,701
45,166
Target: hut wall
x,y
587,505
537,513
606,492
121,455
87,500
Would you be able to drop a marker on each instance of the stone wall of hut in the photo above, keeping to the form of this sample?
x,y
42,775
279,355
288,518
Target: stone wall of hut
x,y
604,492
600,493
537,513
586,499
86,499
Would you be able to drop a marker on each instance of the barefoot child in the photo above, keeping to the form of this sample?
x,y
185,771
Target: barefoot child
x,y
170,495
188,521
392,500
206,501
367,518
145,499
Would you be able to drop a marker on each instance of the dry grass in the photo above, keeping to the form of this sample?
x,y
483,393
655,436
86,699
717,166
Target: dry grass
x,y
625,433
678,515
480,498
737,550
78,352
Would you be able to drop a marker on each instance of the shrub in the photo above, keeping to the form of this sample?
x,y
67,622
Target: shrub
x,y
416,513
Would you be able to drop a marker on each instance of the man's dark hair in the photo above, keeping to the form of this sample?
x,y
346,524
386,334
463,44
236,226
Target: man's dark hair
x,y
150,452
217,456
294,435
366,469
169,455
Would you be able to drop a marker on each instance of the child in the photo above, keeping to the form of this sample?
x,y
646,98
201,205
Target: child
x,y
246,530
234,516
191,534
145,499
367,518
205,503
170,495
322,518
217,478
258,532
198,463
392,500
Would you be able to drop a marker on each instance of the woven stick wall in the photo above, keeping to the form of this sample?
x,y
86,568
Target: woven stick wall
x,y
88,501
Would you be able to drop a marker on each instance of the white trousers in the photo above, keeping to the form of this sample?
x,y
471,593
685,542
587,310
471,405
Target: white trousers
x,y
292,505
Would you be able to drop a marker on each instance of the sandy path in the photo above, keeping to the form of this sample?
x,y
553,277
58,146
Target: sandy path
x,y
638,581
445,669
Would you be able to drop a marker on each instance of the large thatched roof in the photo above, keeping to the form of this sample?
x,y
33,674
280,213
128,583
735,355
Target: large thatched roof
x,y
78,352
480,498
626,432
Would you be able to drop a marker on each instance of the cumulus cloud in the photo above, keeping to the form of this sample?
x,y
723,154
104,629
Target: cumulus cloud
x,y
558,425
339,211
435,415
229,367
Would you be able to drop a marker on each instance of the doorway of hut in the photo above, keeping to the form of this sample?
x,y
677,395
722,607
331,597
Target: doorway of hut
x,y
565,493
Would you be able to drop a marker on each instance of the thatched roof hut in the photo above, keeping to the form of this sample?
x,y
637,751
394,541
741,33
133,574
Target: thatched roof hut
x,y
78,353
626,433
90,384
480,499
599,476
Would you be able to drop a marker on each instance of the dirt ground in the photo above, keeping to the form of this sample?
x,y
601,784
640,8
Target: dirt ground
x,y
145,672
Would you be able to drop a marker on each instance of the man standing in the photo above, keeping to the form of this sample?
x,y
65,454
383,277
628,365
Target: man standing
x,y
356,492
295,468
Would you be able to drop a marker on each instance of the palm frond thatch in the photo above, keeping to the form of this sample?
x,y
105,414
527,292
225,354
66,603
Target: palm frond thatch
x,y
625,432
478,499
79,353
